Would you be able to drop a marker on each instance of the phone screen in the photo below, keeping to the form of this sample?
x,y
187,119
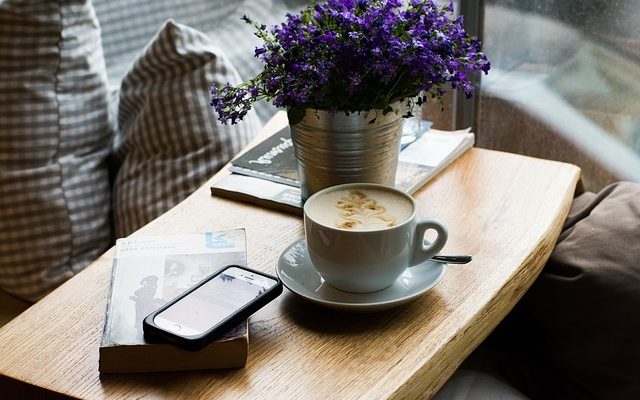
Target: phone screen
x,y
213,302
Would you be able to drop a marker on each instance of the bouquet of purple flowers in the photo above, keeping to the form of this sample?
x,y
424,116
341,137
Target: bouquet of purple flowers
x,y
356,55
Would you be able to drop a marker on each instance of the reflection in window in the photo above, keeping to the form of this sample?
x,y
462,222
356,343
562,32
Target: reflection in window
x,y
564,84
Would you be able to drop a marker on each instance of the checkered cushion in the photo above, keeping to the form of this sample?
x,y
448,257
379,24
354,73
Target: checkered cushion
x,y
54,136
128,25
172,141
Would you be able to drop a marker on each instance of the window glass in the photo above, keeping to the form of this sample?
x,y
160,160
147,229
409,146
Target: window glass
x,y
564,83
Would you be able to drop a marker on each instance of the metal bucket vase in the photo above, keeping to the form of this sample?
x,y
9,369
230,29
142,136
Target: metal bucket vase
x,y
337,148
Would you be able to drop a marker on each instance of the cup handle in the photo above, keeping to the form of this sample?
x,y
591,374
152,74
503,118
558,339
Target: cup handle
x,y
422,253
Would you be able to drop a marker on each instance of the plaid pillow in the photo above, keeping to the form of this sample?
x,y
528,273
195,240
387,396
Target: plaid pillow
x,y
128,25
172,140
54,138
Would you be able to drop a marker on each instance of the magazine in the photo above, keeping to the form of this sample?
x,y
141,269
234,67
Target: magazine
x,y
272,159
148,272
272,180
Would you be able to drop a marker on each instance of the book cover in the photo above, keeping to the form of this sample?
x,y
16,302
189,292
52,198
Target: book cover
x,y
272,159
418,162
147,273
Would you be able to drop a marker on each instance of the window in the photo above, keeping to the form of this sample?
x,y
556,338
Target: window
x,y
564,83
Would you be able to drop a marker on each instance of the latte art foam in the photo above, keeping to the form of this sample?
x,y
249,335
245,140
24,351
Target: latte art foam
x,y
361,209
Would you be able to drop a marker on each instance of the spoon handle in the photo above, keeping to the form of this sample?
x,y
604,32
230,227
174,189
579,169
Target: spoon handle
x,y
452,259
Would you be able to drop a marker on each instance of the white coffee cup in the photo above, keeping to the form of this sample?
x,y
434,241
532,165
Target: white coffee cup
x,y
362,236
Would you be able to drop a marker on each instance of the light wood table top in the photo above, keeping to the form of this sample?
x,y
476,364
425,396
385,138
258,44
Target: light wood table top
x,y
504,209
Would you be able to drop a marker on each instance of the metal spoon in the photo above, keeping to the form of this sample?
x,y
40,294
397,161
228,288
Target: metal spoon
x,y
452,259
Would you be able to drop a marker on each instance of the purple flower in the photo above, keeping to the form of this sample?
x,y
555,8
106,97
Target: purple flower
x,y
354,55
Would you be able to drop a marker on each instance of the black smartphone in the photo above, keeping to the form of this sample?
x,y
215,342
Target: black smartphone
x,y
212,307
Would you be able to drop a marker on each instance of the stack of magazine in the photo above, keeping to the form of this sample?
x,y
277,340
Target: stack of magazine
x,y
267,174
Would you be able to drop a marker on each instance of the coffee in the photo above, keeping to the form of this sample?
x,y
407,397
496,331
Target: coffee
x,y
360,209
362,236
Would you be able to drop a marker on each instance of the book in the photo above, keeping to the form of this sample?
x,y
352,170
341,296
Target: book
x,y
148,272
272,159
274,182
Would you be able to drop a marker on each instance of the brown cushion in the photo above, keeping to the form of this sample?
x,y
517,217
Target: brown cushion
x,y
576,333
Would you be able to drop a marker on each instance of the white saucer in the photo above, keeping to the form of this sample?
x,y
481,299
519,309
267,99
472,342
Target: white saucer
x,y
298,275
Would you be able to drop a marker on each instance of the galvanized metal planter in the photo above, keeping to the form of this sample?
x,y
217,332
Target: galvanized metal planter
x,y
332,149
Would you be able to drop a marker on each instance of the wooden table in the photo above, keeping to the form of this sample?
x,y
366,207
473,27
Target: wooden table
x,y
504,209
